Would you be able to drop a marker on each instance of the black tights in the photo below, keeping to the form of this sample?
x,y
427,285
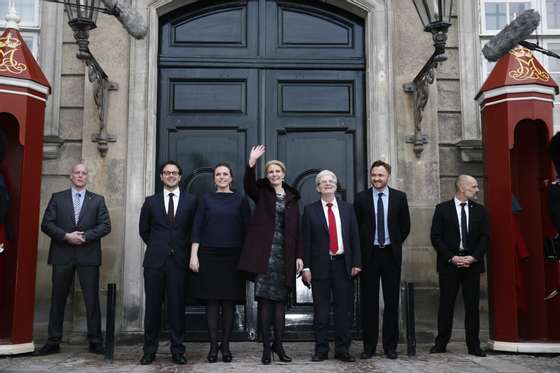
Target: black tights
x,y
266,308
213,314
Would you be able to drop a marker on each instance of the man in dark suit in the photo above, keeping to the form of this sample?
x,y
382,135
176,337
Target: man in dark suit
x,y
331,260
460,234
384,224
165,227
75,220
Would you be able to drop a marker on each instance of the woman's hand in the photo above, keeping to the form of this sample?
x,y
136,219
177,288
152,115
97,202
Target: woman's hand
x,y
299,265
194,265
256,153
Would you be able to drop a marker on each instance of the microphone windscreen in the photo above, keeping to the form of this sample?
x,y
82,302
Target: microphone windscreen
x,y
518,30
132,21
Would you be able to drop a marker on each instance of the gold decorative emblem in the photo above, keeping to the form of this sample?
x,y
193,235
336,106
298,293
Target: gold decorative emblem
x,y
8,47
527,68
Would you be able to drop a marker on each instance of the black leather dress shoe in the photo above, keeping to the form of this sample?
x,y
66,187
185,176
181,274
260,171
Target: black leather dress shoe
x,y
319,357
344,356
477,352
179,359
367,354
96,348
391,355
437,350
147,359
47,349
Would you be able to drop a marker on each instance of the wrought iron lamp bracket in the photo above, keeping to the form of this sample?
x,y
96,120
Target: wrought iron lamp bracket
x,y
101,87
420,86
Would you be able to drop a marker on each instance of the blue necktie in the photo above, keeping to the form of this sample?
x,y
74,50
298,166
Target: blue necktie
x,y
77,197
380,221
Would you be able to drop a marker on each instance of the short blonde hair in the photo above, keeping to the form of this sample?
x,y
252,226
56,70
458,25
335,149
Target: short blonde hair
x,y
276,163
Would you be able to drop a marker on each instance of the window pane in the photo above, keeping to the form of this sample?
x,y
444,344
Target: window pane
x,y
24,8
553,63
495,15
516,9
553,14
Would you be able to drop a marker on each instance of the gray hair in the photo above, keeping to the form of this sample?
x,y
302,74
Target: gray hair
x,y
323,173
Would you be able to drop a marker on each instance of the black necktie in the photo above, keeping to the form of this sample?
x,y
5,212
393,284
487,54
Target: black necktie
x,y
171,209
464,230
380,221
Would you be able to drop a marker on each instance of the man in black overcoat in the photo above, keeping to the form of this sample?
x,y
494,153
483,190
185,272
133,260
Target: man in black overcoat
x,y
165,227
384,224
75,219
460,234
331,260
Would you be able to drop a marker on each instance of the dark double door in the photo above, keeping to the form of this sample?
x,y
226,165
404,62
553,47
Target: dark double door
x,y
283,73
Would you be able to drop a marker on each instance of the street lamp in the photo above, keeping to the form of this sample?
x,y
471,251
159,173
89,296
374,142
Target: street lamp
x,y
82,15
436,19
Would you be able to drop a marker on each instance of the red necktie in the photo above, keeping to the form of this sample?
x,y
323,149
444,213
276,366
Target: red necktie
x,y
333,237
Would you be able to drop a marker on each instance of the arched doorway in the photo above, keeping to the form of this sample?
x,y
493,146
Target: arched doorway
x,y
289,74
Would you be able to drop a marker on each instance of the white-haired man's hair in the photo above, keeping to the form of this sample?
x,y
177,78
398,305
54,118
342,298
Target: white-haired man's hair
x,y
324,173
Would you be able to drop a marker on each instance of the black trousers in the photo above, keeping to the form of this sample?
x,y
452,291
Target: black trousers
x,y
342,288
62,277
167,281
383,265
449,283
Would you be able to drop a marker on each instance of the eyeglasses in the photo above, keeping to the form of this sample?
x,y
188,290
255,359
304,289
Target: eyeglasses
x,y
171,173
327,182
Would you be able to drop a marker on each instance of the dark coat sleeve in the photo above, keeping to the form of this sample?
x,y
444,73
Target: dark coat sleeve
x,y
437,234
48,225
404,218
355,240
306,234
4,203
484,235
103,223
198,221
250,183
554,205
299,239
145,221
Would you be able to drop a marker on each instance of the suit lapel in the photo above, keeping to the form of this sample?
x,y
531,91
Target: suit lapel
x,y
453,212
321,214
182,204
160,200
85,204
343,222
69,200
371,211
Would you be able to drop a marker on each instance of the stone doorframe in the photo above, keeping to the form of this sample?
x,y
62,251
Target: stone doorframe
x,y
381,132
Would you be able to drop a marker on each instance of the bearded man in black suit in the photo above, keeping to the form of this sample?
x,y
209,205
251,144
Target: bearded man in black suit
x,y
75,219
460,234
384,224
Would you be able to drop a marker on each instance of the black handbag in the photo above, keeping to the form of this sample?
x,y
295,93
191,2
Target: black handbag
x,y
552,249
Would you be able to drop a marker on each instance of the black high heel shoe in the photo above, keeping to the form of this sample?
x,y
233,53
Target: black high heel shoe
x,y
266,356
279,350
213,353
226,353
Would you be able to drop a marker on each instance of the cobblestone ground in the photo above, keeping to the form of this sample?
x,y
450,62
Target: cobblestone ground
x,y
74,358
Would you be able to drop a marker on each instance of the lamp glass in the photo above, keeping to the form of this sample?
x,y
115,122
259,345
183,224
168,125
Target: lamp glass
x,y
82,9
434,11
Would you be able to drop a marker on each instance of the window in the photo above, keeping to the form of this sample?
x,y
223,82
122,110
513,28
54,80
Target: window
x,y
29,26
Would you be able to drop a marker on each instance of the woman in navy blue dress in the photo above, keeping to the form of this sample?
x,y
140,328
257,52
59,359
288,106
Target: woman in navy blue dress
x,y
217,236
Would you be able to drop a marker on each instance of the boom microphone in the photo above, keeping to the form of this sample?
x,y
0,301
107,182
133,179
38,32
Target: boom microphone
x,y
513,34
131,20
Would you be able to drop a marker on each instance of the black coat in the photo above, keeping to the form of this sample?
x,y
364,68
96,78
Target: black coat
x,y
445,235
159,235
58,220
258,241
554,204
316,239
398,221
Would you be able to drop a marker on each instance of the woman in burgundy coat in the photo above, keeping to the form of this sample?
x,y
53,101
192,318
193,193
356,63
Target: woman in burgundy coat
x,y
272,250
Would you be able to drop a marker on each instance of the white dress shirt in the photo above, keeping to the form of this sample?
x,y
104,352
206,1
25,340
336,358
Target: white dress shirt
x,y
338,223
176,193
458,210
